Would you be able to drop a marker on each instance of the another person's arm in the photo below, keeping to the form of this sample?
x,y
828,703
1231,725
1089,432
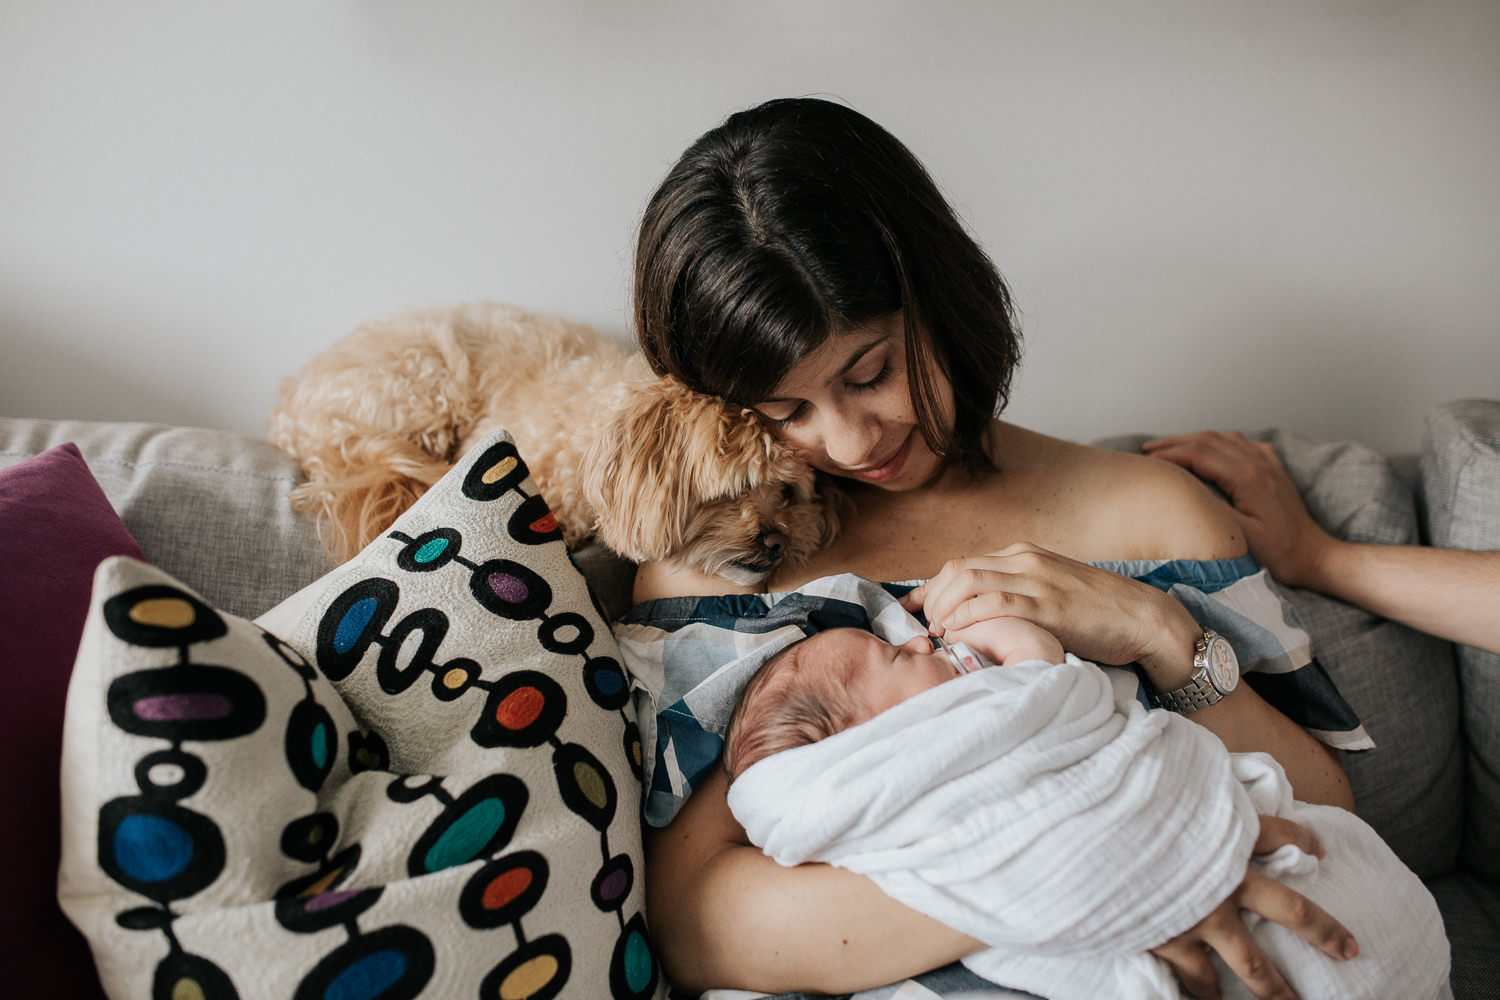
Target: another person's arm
x,y
1451,593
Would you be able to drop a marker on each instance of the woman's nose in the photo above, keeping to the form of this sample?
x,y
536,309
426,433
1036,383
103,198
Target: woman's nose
x,y
849,439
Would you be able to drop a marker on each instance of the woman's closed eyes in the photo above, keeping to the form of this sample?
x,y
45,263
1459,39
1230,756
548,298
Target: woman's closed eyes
x,y
880,378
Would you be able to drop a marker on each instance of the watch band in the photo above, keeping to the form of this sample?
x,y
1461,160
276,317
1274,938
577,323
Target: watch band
x,y
1199,693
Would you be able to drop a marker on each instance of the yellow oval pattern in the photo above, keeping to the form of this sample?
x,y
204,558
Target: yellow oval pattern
x,y
498,471
187,989
163,612
590,784
528,978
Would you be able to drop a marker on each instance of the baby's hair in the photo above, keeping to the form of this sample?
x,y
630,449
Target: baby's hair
x,y
790,702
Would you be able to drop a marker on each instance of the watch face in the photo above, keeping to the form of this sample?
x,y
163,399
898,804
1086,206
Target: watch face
x,y
1223,667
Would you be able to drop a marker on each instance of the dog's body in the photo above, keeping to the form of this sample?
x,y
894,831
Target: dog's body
x,y
656,471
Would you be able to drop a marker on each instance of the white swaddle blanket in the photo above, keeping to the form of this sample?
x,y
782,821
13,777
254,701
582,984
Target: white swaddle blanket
x,y
1042,810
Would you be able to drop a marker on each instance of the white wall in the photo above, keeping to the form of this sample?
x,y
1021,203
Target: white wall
x,y
1213,213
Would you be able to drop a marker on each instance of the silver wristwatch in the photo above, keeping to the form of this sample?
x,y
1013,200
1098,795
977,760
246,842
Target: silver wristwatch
x,y
1216,672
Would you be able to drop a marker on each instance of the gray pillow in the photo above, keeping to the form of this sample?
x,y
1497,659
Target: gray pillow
x,y
1461,494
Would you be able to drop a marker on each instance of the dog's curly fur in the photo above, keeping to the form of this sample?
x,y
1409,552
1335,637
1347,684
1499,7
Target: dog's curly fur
x,y
655,470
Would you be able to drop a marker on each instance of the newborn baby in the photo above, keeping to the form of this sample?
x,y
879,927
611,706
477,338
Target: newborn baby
x,y
1040,808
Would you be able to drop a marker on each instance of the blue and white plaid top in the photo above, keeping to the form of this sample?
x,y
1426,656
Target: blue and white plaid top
x,y
690,656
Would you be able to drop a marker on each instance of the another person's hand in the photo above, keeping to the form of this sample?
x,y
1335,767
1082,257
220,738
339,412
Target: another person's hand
x,y
1224,932
1098,615
1282,535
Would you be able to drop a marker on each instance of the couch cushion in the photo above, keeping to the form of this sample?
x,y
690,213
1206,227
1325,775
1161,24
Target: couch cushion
x,y
439,753
57,527
1461,496
1471,915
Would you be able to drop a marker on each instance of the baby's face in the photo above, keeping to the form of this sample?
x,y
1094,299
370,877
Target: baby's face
x,y
885,675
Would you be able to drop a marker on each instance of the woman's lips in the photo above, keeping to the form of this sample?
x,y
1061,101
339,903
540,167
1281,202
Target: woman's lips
x,y
890,468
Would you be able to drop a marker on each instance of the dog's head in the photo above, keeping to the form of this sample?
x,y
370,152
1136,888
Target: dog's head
x,y
679,476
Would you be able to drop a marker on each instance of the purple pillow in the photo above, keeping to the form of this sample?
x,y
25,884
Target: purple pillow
x,y
57,526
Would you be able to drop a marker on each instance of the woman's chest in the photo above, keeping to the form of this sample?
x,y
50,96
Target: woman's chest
x,y
883,539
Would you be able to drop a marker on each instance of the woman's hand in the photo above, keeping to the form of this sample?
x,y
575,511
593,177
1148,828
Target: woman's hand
x,y
1096,614
1282,535
1224,931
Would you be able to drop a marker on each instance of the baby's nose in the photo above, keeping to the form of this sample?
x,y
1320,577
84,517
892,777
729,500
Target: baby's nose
x,y
919,644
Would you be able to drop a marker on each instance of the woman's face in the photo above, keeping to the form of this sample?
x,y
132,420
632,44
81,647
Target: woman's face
x,y
846,408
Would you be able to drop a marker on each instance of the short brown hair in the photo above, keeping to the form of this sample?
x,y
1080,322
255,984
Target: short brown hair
x,y
800,218
788,703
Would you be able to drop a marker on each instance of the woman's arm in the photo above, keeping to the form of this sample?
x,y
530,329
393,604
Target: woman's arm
x,y
1450,593
660,579
723,914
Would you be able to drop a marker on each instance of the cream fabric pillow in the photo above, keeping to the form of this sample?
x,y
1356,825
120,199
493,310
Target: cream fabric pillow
x,y
426,784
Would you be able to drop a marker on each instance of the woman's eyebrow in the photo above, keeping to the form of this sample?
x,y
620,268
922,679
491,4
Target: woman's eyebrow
x,y
854,359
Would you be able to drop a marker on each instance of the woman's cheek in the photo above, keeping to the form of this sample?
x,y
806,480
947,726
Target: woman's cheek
x,y
804,447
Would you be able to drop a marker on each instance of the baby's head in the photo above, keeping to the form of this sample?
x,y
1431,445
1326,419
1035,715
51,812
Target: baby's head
x,y
823,685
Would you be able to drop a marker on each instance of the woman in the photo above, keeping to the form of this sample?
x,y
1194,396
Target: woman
x,y
798,259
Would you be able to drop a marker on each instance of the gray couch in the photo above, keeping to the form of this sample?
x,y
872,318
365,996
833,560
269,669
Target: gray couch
x,y
209,507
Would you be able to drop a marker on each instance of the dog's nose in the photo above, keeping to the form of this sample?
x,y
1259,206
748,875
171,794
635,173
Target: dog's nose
x,y
775,543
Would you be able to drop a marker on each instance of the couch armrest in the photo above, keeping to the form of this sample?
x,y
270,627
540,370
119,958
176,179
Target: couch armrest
x,y
1461,503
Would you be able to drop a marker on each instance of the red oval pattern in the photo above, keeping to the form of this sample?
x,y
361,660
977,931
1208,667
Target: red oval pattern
x,y
520,708
505,887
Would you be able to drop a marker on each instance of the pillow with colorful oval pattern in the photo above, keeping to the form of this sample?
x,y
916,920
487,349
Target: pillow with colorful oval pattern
x,y
427,785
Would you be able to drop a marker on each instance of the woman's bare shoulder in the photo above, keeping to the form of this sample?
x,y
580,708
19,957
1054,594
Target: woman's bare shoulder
x,y
654,580
1132,506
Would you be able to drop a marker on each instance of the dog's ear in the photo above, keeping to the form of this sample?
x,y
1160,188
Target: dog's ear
x,y
645,473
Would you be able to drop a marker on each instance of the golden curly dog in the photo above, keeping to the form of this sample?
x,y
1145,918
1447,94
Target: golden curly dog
x,y
655,471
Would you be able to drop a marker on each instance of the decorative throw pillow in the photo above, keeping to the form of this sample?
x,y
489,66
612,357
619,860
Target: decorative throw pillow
x,y
57,527
1461,491
428,785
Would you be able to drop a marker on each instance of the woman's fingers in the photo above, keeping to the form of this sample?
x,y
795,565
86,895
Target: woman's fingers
x,y
1297,914
1276,832
946,598
1099,615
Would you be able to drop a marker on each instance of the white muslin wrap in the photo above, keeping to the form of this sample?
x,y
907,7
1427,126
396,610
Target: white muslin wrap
x,y
1044,811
